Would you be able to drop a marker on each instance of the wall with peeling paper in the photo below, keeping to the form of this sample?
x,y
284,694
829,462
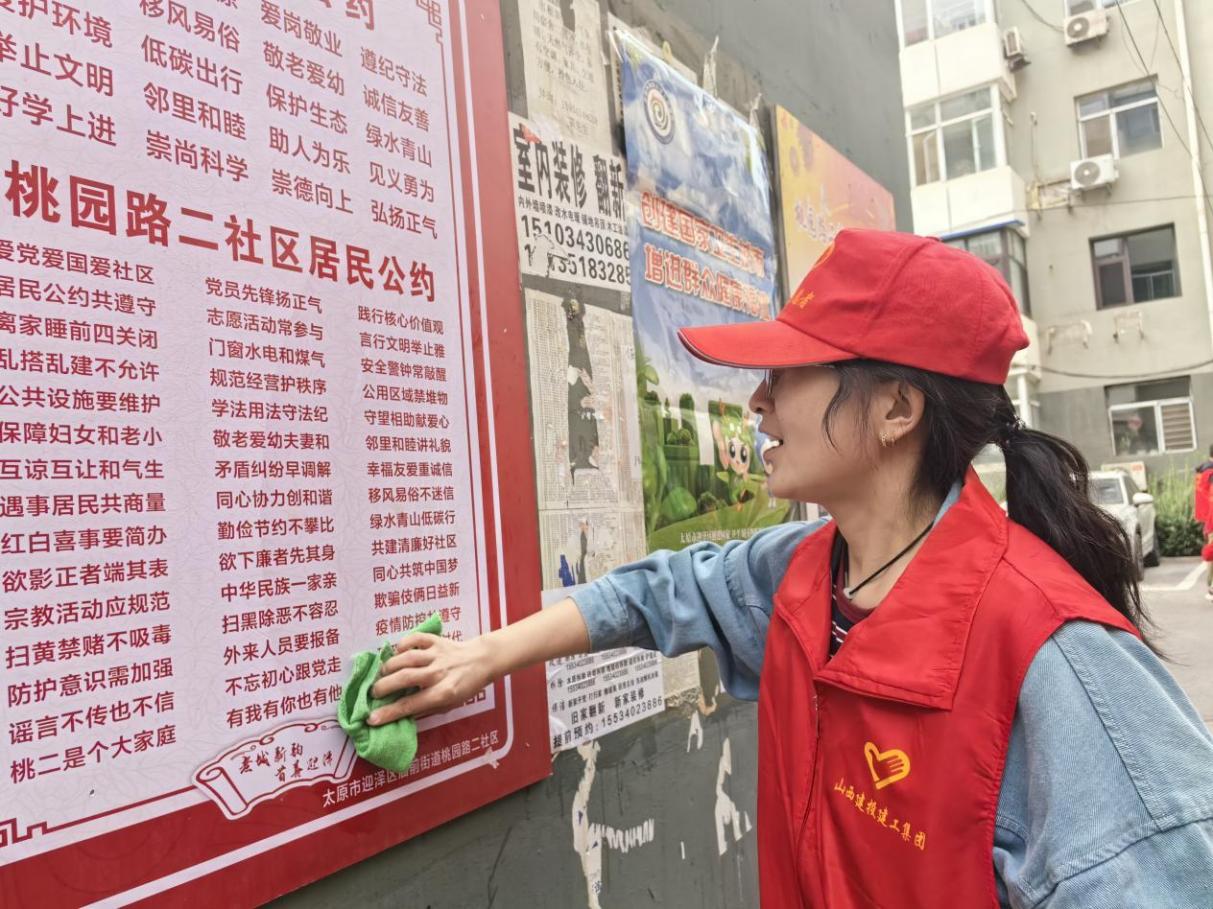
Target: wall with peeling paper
x,y
660,813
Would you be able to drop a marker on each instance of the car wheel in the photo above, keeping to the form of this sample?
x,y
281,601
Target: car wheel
x,y
1139,560
1153,557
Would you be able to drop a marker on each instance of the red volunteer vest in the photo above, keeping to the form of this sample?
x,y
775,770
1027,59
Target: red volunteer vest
x,y
880,770
1201,505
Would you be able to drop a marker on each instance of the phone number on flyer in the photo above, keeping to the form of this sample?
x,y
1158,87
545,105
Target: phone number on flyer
x,y
576,238
579,266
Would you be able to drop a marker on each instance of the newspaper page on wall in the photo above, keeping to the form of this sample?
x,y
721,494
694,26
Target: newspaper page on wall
x,y
702,250
248,366
591,518
566,82
583,406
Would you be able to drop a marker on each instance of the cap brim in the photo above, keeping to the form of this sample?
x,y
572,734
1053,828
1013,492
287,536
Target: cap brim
x,y
759,345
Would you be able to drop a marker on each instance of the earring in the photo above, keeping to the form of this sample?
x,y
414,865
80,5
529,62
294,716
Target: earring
x,y
884,440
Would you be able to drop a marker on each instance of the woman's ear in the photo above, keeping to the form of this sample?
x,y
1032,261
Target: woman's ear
x,y
901,409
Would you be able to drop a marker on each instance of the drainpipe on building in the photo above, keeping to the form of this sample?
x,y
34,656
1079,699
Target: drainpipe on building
x,y
1024,398
1202,217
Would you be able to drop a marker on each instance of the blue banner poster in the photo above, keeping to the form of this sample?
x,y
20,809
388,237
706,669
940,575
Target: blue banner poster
x,y
702,252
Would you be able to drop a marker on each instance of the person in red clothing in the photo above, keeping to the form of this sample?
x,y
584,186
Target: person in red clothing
x,y
1203,512
955,704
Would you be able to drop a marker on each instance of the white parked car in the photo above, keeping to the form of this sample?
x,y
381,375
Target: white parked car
x,y
1115,492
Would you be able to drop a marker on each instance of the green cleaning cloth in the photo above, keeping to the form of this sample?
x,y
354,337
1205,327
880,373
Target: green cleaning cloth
x,y
393,745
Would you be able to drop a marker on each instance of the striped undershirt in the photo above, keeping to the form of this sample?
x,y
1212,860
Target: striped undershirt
x,y
844,615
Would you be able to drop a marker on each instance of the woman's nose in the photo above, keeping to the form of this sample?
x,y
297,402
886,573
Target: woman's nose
x,y
760,401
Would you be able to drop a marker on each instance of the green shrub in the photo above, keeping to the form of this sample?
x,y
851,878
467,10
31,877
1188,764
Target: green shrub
x,y
1179,534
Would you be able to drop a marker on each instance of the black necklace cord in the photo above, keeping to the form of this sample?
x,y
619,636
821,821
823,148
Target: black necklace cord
x,y
851,591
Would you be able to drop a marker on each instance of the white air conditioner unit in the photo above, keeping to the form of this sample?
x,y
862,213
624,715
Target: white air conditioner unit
x,y
1091,173
1012,48
1086,26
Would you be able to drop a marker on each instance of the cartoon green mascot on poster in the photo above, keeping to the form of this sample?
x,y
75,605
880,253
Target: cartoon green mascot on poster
x,y
734,438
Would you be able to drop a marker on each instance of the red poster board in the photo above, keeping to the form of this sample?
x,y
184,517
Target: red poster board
x,y
262,405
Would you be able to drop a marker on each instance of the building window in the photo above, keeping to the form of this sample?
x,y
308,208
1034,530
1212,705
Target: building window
x,y
1120,121
1005,250
1074,7
953,137
1135,268
923,20
1151,417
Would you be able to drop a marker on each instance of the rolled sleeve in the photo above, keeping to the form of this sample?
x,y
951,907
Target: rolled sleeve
x,y
606,617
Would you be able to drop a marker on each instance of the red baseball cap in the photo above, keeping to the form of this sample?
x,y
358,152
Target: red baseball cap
x,y
882,295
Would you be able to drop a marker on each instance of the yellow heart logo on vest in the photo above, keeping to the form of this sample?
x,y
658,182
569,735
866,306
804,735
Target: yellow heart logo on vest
x,y
887,766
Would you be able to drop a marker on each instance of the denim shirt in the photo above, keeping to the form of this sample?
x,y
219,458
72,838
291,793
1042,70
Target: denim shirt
x,y
1107,794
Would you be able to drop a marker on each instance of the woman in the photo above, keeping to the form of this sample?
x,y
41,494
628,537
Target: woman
x,y
956,708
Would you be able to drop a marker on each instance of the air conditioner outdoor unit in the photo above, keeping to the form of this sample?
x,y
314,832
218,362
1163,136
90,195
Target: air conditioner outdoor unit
x,y
1012,48
1086,26
1091,173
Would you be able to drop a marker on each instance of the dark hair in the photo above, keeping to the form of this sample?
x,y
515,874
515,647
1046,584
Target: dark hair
x,y
1046,476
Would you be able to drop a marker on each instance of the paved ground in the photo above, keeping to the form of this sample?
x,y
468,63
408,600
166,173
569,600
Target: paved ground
x,y
1174,594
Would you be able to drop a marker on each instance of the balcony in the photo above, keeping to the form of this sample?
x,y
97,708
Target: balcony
x,y
955,63
988,198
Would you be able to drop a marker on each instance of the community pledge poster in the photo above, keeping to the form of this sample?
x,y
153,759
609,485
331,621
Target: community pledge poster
x,y
702,252
249,363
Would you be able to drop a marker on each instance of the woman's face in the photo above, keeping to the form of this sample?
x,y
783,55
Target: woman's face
x,y
805,466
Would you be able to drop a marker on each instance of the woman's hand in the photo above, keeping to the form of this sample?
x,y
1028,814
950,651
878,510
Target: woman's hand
x,y
447,672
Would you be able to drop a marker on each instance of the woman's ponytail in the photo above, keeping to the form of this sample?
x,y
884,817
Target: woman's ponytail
x,y
1047,493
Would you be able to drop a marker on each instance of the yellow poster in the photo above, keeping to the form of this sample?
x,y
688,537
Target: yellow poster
x,y
821,191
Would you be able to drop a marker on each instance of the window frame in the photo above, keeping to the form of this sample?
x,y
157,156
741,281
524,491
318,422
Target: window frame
x,y
1120,482
999,133
1151,276
1099,4
1127,267
985,9
1111,114
1157,406
1004,261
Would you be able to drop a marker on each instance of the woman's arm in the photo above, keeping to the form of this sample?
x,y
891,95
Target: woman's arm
x,y
702,596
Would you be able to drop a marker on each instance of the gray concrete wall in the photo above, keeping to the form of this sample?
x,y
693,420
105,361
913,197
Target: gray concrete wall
x,y
689,772
1080,415
519,854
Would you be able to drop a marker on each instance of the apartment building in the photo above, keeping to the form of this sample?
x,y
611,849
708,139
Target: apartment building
x,y
1064,142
